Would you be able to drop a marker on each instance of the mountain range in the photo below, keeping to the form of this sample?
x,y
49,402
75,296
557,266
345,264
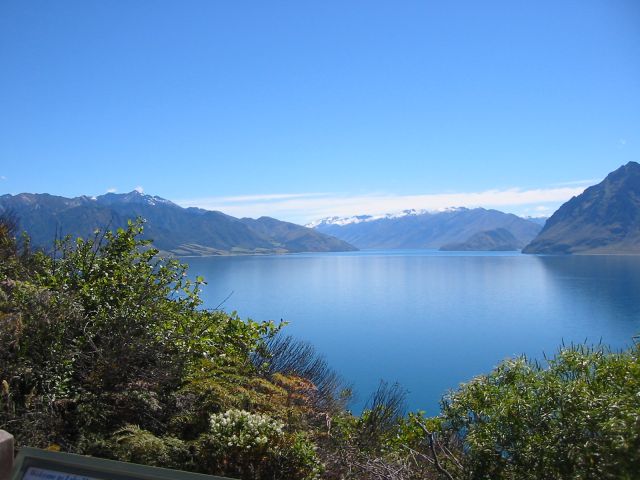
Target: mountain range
x,y
605,218
175,230
448,229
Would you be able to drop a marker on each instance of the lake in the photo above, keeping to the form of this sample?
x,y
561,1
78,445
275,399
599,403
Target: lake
x,y
428,319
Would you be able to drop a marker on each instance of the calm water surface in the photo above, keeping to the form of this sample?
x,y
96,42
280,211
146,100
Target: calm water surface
x,y
427,319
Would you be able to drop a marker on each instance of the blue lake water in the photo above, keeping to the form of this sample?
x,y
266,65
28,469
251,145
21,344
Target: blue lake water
x,y
427,319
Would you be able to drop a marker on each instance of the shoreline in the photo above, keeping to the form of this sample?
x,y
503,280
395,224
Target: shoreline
x,y
273,254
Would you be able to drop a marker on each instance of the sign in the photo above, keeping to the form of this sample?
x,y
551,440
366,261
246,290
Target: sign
x,y
35,464
40,474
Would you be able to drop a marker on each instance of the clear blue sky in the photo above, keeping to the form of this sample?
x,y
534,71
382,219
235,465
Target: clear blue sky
x,y
343,104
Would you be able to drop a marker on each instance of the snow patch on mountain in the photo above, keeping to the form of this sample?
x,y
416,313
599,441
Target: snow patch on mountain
x,y
133,197
341,221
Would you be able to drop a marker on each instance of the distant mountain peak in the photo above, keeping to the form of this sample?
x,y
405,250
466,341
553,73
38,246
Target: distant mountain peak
x,y
605,218
629,167
341,221
133,197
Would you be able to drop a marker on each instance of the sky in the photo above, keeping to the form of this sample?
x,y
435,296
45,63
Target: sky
x,y
301,110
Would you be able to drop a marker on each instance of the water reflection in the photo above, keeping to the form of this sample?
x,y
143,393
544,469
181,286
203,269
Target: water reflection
x,y
603,288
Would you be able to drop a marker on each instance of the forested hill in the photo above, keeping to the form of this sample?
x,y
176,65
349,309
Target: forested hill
x,y
176,230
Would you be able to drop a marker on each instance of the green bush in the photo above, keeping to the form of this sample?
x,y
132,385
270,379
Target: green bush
x,y
132,444
578,418
106,350
255,446
102,334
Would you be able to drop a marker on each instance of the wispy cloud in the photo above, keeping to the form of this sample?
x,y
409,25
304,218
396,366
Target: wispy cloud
x,y
139,189
266,198
305,207
112,190
2,177
572,183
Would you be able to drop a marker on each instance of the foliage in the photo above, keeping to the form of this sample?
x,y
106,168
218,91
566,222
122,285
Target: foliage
x,y
103,335
578,418
286,355
375,444
381,418
133,444
251,445
244,430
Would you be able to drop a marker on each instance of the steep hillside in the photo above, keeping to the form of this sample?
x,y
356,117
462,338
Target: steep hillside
x,y
605,218
294,237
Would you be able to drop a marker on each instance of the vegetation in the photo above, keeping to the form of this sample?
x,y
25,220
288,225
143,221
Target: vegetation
x,y
107,351
579,417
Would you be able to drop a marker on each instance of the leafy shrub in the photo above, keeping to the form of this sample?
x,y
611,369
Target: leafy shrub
x,y
133,444
103,334
579,418
242,430
255,446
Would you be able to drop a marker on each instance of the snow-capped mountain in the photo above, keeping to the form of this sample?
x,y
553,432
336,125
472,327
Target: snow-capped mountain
x,y
341,221
133,197
425,229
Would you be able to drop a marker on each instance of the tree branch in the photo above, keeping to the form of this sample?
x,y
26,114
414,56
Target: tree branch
x,y
430,436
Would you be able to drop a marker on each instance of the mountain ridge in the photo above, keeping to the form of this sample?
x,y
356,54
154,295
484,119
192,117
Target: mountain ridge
x,y
174,229
604,219
417,229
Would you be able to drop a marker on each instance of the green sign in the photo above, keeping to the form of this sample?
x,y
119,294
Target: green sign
x,y
34,464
